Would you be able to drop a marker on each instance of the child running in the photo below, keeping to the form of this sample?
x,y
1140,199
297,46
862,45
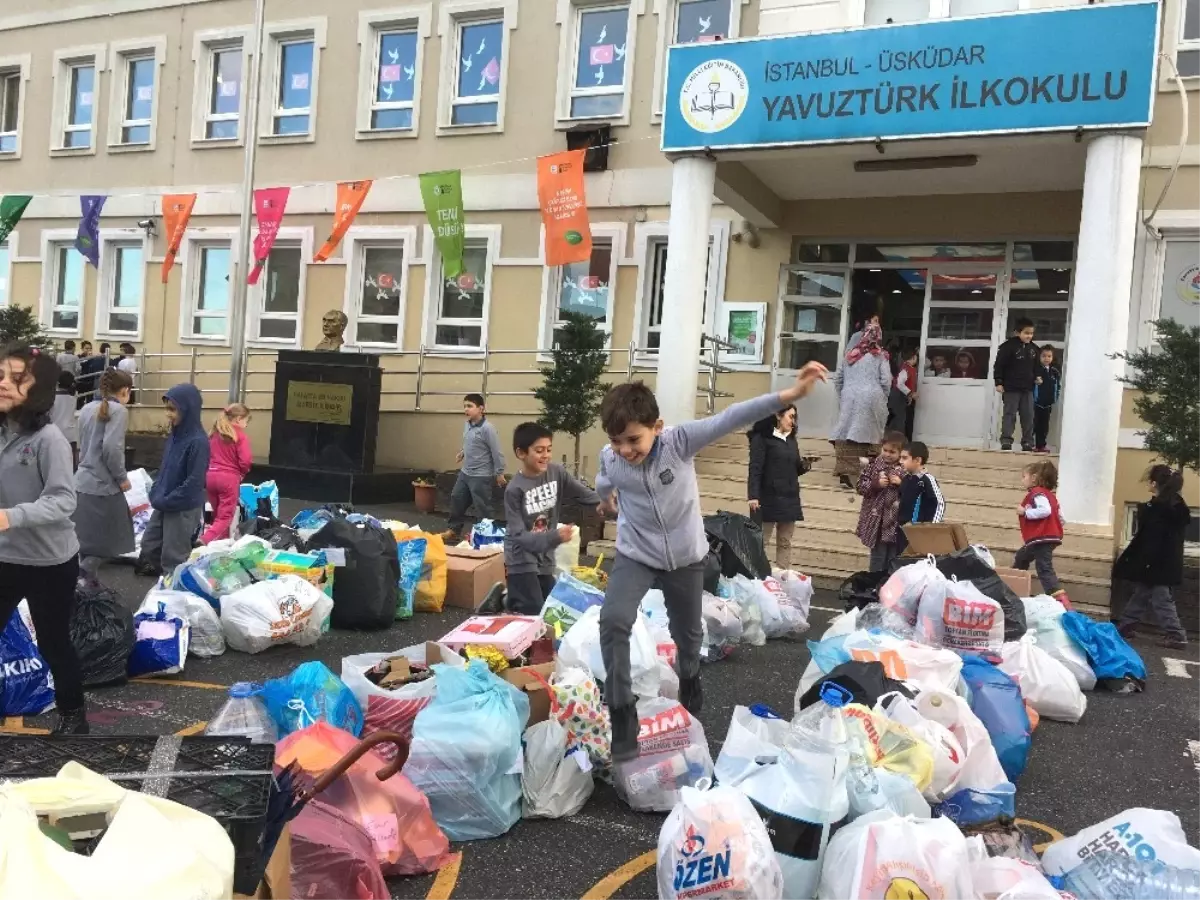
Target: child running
x,y
878,519
660,533
38,550
1154,558
228,463
102,519
921,498
482,463
1041,527
177,496
532,503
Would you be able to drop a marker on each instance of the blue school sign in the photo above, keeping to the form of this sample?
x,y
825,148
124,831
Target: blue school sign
x,y
1086,67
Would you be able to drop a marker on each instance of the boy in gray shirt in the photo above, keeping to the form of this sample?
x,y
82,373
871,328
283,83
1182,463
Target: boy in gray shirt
x,y
660,533
482,463
531,502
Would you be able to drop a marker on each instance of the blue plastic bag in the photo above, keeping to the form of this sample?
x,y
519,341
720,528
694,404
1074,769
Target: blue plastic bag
x,y
974,807
996,700
26,688
412,562
160,645
487,532
829,653
250,495
311,693
464,753
1107,652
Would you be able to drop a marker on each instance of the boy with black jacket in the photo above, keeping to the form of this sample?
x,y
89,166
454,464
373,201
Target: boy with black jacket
x,y
921,499
1046,383
1015,377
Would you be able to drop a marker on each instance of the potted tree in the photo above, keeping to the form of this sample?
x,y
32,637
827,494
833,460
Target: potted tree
x,y
425,494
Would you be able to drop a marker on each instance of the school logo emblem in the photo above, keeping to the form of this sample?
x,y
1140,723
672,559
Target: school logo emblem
x,y
714,96
1188,285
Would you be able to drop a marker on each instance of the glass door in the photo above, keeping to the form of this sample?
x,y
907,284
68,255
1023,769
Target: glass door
x,y
809,324
962,330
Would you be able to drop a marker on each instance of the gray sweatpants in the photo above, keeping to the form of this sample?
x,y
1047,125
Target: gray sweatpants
x,y
882,556
470,490
683,591
1157,598
168,538
1017,402
1042,557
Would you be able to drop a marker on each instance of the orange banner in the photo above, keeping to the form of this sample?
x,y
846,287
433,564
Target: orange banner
x,y
176,210
350,197
564,207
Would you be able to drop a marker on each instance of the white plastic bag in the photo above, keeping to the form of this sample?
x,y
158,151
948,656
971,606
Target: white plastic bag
x,y
781,617
206,638
964,620
566,557
984,554
722,626
672,754
714,845
871,789
911,585
905,660
1046,684
799,590
393,710
1139,832
981,769
1004,878
1043,617
580,647
754,739
754,617
554,783
284,610
882,855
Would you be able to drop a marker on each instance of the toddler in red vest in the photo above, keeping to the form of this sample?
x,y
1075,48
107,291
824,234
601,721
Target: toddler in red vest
x,y
1041,527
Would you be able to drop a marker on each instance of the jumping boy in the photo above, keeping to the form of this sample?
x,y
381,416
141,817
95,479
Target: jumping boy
x,y
482,463
1014,376
1046,384
921,499
532,504
660,533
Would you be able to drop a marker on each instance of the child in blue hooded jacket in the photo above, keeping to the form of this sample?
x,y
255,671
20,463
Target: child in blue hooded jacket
x,y
177,496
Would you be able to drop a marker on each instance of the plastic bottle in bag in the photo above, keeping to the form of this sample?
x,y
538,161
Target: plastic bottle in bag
x,y
1109,875
823,724
244,715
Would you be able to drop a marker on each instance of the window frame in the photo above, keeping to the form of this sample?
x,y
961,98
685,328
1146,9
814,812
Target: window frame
x,y
667,12
1181,45
1150,260
17,65
452,16
124,53
111,241
205,46
372,25
66,61
195,241
357,241
293,238
613,233
275,36
9,245
52,242
569,16
489,235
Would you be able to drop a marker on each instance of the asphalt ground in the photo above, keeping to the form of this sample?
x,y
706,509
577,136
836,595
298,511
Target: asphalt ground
x,y
1134,750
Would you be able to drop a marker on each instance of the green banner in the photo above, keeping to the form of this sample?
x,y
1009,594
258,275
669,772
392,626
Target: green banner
x,y
442,194
12,207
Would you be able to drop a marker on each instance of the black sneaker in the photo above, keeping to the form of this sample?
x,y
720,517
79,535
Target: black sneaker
x,y
624,733
691,695
1007,446
148,569
71,721
495,601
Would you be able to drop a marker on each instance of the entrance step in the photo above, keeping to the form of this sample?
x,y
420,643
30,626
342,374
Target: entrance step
x,y
962,458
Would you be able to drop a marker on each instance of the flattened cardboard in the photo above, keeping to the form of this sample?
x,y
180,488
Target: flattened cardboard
x,y
1019,580
523,679
937,539
470,574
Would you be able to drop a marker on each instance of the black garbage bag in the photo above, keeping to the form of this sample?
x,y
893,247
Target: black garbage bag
x,y
366,589
865,681
712,571
967,565
102,635
274,532
861,589
738,541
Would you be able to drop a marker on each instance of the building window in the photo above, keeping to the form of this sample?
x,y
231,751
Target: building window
x,y
80,101
478,57
293,87
598,75
1187,50
893,12
702,20
379,294
656,293
982,7
138,99
123,286
395,82
1179,293
208,308
462,301
5,268
10,112
585,288
278,291
224,93
66,295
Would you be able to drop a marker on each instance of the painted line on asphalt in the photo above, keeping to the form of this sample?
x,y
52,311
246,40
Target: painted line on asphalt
x,y
197,728
203,685
447,878
620,876
1053,833
1178,668
16,725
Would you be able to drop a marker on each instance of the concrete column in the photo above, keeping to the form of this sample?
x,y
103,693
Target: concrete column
x,y
692,182
1091,413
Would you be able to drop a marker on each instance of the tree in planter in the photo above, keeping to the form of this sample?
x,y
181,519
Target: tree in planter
x,y
571,390
18,325
1168,378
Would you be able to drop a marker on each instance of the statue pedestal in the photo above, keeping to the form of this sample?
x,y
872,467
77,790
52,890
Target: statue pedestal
x,y
326,411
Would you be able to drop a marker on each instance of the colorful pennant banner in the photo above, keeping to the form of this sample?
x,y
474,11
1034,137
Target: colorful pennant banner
x,y
12,207
87,237
269,204
176,210
442,194
350,197
564,208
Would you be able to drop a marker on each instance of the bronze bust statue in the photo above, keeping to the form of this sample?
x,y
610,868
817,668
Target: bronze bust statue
x,y
333,325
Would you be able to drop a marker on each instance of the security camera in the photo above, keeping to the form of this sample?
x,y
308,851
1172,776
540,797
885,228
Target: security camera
x,y
147,225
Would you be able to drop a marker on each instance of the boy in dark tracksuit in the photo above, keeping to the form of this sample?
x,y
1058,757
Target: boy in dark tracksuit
x,y
1014,375
1046,382
921,499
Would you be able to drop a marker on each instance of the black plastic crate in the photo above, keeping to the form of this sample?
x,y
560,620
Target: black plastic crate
x,y
230,779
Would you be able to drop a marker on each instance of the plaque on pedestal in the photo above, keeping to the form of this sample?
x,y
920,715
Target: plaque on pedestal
x,y
326,411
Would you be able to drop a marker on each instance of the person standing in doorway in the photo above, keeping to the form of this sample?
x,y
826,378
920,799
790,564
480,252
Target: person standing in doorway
x,y
863,382
482,463
773,485
1014,374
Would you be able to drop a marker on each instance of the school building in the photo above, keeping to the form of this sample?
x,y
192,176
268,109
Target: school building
x,y
788,164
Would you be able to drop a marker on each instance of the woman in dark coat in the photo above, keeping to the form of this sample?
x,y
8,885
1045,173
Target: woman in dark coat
x,y
1153,561
773,486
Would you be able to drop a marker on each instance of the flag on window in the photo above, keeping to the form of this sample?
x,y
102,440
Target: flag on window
x,y
176,210
269,204
350,197
12,207
442,194
564,207
87,237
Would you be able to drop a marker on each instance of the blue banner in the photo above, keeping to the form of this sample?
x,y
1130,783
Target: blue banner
x,y
1085,67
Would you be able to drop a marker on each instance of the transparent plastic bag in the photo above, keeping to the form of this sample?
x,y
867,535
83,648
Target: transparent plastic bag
x,y
206,639
555,783
244,715
672,754
912,585
310,694
1046,684
755,738
580,648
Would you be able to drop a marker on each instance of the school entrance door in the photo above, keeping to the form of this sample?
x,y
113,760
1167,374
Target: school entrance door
x,y
954,304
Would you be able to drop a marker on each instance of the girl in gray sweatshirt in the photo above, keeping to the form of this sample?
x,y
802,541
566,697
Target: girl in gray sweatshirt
x,y
37,538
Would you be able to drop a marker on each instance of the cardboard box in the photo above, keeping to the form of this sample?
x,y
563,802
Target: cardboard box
x,y
511,635
1019,580
470,574
308,566
523,679
937,539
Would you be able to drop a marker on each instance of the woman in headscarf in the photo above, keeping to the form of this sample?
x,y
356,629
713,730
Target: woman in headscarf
x,y
863,382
